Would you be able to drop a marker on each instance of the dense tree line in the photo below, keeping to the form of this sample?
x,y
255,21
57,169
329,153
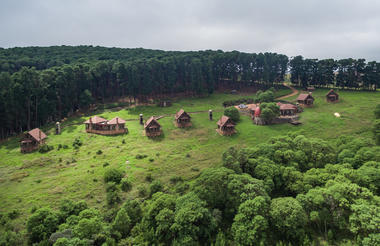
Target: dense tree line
x,y
345,73
40,85
290,190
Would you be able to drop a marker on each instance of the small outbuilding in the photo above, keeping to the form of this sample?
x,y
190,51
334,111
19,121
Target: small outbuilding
x,y
305,99
226,126
32,140
152,127
332,96
310,88
182,119
102,126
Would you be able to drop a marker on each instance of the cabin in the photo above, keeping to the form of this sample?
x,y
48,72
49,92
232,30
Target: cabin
x,y
226,126
287,109
332,96
32,140
182,119
152,127
101,126
305,99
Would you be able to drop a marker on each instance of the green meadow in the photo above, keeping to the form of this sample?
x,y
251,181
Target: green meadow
x,y
37,179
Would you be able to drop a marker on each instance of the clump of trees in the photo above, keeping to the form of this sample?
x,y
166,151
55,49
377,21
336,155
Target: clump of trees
x,y
292,189
233,113
269,111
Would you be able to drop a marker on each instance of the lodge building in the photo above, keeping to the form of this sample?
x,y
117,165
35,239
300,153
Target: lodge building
x,y
182,119
32,140
102,126
332,96
226,126
152,127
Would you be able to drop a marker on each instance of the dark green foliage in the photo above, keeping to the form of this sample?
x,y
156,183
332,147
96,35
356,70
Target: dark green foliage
x,y
233,113
76,144
41,224
139,156
267,96
68,207
377,111
176,179
99,152
376,131
13,214
269,111
106,164
154,187
288,218
45,148
149,177
142,190
113,175
125,185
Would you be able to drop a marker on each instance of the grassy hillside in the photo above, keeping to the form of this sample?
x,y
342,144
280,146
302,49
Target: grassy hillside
x,y
44,179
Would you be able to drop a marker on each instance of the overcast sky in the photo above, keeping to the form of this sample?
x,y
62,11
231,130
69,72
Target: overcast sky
x,y
312,28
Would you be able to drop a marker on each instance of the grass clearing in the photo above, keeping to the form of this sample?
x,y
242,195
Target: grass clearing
x,y
44,179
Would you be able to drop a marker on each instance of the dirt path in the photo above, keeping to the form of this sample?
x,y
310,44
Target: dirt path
x,y
294,92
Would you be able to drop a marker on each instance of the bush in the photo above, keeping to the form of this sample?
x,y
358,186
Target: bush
x,y
155,186
123,141
377,111
142,190
106,164
113,175
76,144
14,214
42,224
65,146
139,156
45,148
233,113
99,152
149,177
151,159
176,179
126,185
112,194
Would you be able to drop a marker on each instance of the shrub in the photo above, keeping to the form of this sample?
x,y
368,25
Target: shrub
x,y
126,185
112,194
123,141
106,164
99,152
139,156
59,146
142,190
77,143
233,113
151,159
195,169
42,224
149,177
176,179
65,146
45,148
13,214
113,175
155,186
188,155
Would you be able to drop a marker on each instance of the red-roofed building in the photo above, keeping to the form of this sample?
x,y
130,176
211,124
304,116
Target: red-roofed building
x,y
182,119
332,96
102,126
152,127
32,140
305,99
226,126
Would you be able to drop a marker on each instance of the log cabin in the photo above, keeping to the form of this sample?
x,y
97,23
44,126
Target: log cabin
x,y
226,126
287,109
32,140
102,126
182,119
332,96
152,127
305,99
